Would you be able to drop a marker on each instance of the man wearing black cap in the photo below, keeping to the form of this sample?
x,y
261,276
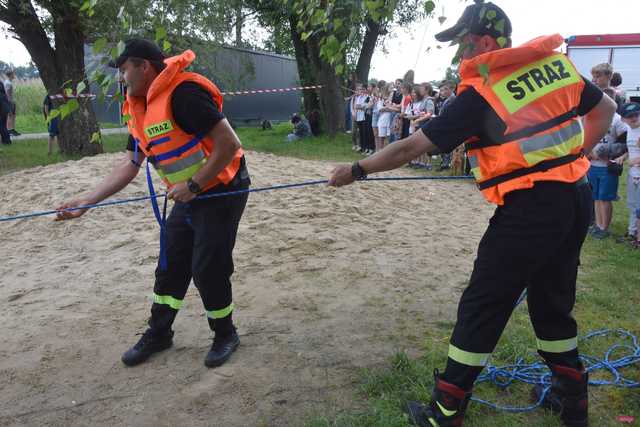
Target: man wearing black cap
x,y
174,117
518,112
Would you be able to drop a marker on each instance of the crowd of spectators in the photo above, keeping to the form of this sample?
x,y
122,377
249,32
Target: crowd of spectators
x,y
382,113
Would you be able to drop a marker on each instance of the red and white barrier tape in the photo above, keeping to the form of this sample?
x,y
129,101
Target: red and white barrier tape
x,y
82,95
243,92
289,89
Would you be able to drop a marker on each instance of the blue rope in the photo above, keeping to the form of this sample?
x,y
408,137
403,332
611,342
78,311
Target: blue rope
x,y
538,373
229,193
163,262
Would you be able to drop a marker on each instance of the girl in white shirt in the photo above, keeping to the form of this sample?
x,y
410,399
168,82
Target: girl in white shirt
x,y
384,120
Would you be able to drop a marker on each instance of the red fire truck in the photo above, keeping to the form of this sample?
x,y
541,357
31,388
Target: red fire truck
x,y
622,51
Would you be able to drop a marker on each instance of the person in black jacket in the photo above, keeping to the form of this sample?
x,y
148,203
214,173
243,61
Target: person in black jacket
x,y
5,108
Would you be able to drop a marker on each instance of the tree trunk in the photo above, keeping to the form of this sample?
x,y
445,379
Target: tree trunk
x,y
56,67
374,30
239,23
331,98
76,130
305,70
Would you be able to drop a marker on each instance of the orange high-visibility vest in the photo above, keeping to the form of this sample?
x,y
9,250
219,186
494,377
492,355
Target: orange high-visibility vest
x,y
536,92
175,154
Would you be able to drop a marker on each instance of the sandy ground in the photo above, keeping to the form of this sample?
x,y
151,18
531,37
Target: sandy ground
x,y
327,281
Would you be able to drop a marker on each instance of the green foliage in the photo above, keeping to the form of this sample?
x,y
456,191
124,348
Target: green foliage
x,y
164,20
429,6
94,17
96,137
338,26
452,75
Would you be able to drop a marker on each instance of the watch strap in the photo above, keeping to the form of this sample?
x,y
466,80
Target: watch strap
x,y
357,171
193,186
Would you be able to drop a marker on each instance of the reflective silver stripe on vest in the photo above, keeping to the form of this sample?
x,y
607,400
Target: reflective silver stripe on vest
x,y
552,139
181,164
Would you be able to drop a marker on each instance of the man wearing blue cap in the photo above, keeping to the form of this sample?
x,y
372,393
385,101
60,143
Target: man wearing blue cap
x,y
526,118
176,123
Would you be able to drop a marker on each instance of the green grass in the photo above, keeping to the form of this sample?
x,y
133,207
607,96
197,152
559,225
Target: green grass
x,y
31,153
34,123
275,141
608,297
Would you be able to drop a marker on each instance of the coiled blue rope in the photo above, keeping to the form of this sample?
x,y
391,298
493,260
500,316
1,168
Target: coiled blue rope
x,y
229,193
539,374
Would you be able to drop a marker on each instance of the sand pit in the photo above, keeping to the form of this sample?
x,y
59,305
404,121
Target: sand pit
x,y
327,281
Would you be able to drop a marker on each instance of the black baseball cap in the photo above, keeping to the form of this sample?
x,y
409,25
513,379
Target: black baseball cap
x,y
138,48
629,109
479,19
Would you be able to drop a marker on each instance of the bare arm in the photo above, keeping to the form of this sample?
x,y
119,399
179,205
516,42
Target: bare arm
x,y
597,122
226,146
399,153
391,157
121,175
423,118
620,160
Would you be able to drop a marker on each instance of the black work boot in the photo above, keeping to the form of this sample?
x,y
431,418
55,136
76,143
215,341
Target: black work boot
x,y
222,348
148,344
567,396
446,409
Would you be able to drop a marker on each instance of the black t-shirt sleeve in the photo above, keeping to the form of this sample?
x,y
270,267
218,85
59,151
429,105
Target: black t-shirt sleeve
x,y
466,116
194,109
131,143
591,95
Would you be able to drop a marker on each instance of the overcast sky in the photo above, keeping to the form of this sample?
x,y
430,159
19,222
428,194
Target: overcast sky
x,y
407,48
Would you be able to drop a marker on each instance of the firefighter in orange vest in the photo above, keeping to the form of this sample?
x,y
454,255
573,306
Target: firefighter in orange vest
x,y
175,122
518,112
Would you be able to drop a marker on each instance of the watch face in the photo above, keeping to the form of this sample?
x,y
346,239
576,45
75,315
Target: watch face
x,y
193,186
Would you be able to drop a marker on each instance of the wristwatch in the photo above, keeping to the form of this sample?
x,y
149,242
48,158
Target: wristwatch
x,y
357,171
193,186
